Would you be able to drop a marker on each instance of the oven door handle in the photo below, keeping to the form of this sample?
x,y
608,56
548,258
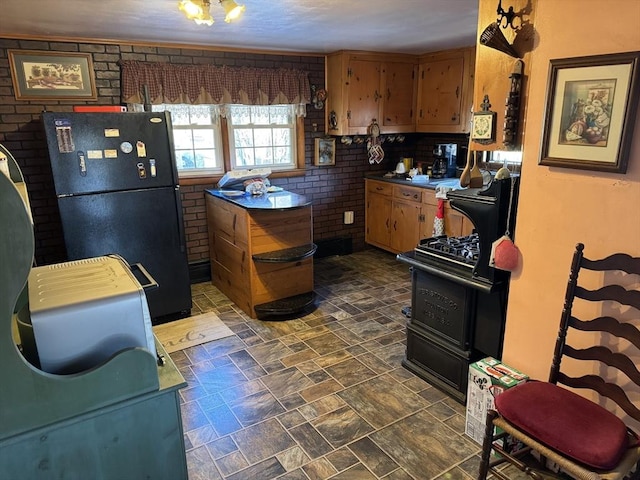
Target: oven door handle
x,y
151,282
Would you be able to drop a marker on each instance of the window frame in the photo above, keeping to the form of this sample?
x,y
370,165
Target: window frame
x,y
298,171
291,126
195,177
198,178
219,149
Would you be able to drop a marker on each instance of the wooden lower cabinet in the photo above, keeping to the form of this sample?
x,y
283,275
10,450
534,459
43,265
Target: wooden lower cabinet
x,y
262,259
405,225
397,217
456,224
378,214
392,216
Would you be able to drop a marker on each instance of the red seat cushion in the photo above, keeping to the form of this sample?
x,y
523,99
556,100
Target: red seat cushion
x,y
565,422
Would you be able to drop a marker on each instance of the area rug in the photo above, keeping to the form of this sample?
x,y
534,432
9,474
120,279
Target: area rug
x,y
191,331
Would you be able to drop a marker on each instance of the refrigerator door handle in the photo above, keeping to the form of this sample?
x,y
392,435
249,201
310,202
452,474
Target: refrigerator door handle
x,y
181,232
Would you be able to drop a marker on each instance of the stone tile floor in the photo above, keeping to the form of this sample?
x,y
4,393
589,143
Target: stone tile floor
x,y
323,395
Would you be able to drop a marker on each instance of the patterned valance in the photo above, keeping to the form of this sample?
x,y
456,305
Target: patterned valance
x,y
210,84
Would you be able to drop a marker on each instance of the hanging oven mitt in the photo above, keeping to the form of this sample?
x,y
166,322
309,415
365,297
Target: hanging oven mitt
x,y
438,221
504,253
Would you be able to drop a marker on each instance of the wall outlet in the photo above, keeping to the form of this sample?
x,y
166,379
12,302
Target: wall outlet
x,y
348,217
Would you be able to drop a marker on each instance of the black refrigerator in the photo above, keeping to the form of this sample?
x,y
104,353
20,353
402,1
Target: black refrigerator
x,y
116,182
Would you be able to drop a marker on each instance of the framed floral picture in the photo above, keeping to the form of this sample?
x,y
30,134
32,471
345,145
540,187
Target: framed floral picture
x,y
590,112
325,152
483,124
44,75
483,127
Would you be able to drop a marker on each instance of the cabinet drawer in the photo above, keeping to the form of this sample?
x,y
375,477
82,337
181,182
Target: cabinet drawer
x,y
407,193
429,197
381,188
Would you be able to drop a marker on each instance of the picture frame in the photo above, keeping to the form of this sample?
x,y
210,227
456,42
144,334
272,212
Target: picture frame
x,y
46,75
325,152
590,112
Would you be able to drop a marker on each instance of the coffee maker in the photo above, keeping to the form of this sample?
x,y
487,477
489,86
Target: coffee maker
x,y
444,160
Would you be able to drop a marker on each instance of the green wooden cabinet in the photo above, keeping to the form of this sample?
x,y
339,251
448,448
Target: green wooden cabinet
x,y
119,420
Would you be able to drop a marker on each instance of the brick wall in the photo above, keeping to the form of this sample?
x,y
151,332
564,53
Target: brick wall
x,y
332,189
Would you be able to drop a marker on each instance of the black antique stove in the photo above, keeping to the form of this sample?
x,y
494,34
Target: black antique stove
x,y
458,304
462,250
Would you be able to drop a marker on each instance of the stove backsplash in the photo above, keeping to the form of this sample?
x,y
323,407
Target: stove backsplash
x,y
489,210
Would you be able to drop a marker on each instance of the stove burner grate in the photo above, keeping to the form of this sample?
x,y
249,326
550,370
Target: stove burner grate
x,y
462,250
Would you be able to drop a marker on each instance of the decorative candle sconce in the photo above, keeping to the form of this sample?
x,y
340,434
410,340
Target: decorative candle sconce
x,y
512,110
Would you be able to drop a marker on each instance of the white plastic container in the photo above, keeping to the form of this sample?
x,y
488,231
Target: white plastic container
x,y
85,311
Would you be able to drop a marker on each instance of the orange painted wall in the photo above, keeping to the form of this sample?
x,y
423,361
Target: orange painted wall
x,y
560,207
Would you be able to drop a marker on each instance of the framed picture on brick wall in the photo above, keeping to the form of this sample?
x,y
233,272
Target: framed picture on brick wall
x,y
325,151
44,75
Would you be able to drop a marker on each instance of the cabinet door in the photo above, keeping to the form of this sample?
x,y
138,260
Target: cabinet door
x,y
399,93
428,214
456,224
467,226
364,94
405,225
441,92
378,220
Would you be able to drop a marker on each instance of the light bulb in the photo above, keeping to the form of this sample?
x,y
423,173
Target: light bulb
x,y
232,10
190,9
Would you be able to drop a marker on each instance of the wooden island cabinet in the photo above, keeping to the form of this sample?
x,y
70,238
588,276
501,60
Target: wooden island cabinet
x,y
398,216
261,250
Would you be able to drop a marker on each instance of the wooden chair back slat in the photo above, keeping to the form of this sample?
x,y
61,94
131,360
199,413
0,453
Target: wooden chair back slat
x,y
604,355
609,390
610,325
611,292
618,261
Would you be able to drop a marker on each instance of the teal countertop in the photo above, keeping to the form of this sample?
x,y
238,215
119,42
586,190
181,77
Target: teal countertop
x,y
268,201
432,184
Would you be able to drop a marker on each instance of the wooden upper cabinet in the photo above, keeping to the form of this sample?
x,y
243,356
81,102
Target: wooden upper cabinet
x,y
364,94
365,86
399,92
445,91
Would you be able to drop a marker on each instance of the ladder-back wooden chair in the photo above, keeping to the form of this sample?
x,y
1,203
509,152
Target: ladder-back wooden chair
x,y
582,438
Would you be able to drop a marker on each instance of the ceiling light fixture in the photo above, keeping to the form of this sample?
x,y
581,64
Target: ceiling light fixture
x,y
232,10
198,10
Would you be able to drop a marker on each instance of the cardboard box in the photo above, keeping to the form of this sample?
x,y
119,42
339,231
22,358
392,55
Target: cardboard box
x,y
488,378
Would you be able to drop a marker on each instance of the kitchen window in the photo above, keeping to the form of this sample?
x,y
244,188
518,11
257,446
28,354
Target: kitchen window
x,y
262,136
256,136
197,138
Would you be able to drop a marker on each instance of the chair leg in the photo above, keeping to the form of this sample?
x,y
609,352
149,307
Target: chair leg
x,y
487,444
